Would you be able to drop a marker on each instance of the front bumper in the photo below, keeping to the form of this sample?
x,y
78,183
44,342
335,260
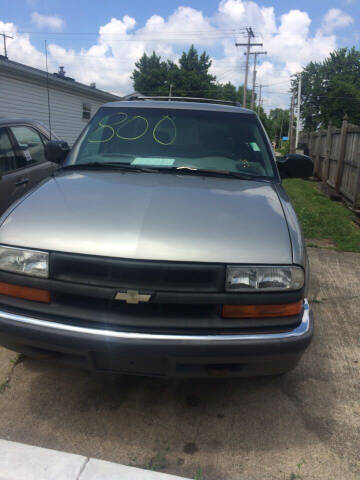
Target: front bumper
x,y
157,354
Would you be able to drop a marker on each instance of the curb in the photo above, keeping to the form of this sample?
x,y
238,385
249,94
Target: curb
x,y
25,462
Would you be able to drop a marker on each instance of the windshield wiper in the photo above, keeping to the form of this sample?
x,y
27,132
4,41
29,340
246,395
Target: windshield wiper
x,y
215,173
176,170
105,165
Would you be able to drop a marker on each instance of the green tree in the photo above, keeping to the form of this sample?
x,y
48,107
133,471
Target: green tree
x,y
330,89
240,96
265,120
227,92
278,124
191,78
153,76
150,75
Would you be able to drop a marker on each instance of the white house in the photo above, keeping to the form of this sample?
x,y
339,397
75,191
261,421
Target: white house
x,y
24,93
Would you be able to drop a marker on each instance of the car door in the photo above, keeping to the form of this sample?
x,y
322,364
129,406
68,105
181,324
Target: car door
x,y
30,145
11,172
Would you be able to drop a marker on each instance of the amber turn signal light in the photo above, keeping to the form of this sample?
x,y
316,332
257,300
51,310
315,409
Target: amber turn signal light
x,y
261,311
27,293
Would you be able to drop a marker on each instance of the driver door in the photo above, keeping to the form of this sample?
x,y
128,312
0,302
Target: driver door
x,y
30,145
12,177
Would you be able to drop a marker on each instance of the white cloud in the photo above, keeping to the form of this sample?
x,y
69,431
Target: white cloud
x,y
181,24
20,47
336,19
239,13
47,21
109,61
293,43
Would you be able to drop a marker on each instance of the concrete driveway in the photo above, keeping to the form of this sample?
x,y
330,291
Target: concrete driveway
x,y
305,425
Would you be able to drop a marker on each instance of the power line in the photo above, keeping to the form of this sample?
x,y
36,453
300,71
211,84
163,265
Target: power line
x,y
340,98
165,37
278,83
225,73
274,91
240,30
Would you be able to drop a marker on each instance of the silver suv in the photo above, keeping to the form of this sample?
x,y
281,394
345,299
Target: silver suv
x,y
164,245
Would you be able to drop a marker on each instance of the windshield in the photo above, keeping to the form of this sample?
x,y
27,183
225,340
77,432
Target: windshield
x,y
175,139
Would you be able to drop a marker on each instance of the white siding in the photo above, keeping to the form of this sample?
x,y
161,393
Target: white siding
x,y
26,99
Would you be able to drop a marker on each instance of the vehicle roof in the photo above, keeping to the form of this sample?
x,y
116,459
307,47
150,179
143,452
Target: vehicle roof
x,y
4,121
176,105
14,121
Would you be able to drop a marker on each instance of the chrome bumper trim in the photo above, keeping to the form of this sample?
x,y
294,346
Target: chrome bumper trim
x,y
302,329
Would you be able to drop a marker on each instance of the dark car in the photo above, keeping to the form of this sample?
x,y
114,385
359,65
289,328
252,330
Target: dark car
x,y
22,158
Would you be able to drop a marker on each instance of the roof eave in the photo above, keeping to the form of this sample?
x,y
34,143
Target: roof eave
x,y
16,69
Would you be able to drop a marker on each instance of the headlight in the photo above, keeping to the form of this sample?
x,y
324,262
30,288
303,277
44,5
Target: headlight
x,y
240,279
23,261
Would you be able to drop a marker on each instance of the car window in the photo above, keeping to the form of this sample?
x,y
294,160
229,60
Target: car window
x,y
44,138
8,161
30,143
162,137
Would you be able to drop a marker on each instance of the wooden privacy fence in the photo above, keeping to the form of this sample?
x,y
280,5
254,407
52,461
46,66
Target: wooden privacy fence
x,y
336,156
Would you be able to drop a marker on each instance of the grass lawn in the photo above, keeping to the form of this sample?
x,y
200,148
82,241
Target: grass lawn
x,y
322,218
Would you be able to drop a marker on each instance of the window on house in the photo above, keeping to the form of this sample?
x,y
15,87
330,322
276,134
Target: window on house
x,y
86,112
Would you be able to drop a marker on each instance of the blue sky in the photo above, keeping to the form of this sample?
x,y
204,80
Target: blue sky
x,y
100,40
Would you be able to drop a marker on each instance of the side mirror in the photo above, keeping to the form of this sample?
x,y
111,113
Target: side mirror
x,y
295,166
56,151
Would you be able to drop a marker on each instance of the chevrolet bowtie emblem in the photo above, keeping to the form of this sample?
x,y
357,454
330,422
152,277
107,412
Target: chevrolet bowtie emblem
x,y
132,296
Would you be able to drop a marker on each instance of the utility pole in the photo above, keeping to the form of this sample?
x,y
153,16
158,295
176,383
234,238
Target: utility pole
x,y
4,38
260,100
281,128
291,126
248,45
254,77
170,89
298,114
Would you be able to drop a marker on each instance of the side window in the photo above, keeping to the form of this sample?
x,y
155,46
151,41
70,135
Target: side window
x,y
8,160
86,111
30,144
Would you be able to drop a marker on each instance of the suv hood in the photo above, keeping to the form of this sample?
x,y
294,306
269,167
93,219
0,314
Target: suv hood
x,y
153,216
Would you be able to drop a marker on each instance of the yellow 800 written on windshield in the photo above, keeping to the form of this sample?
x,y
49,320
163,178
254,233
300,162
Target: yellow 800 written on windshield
x,y
114,129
